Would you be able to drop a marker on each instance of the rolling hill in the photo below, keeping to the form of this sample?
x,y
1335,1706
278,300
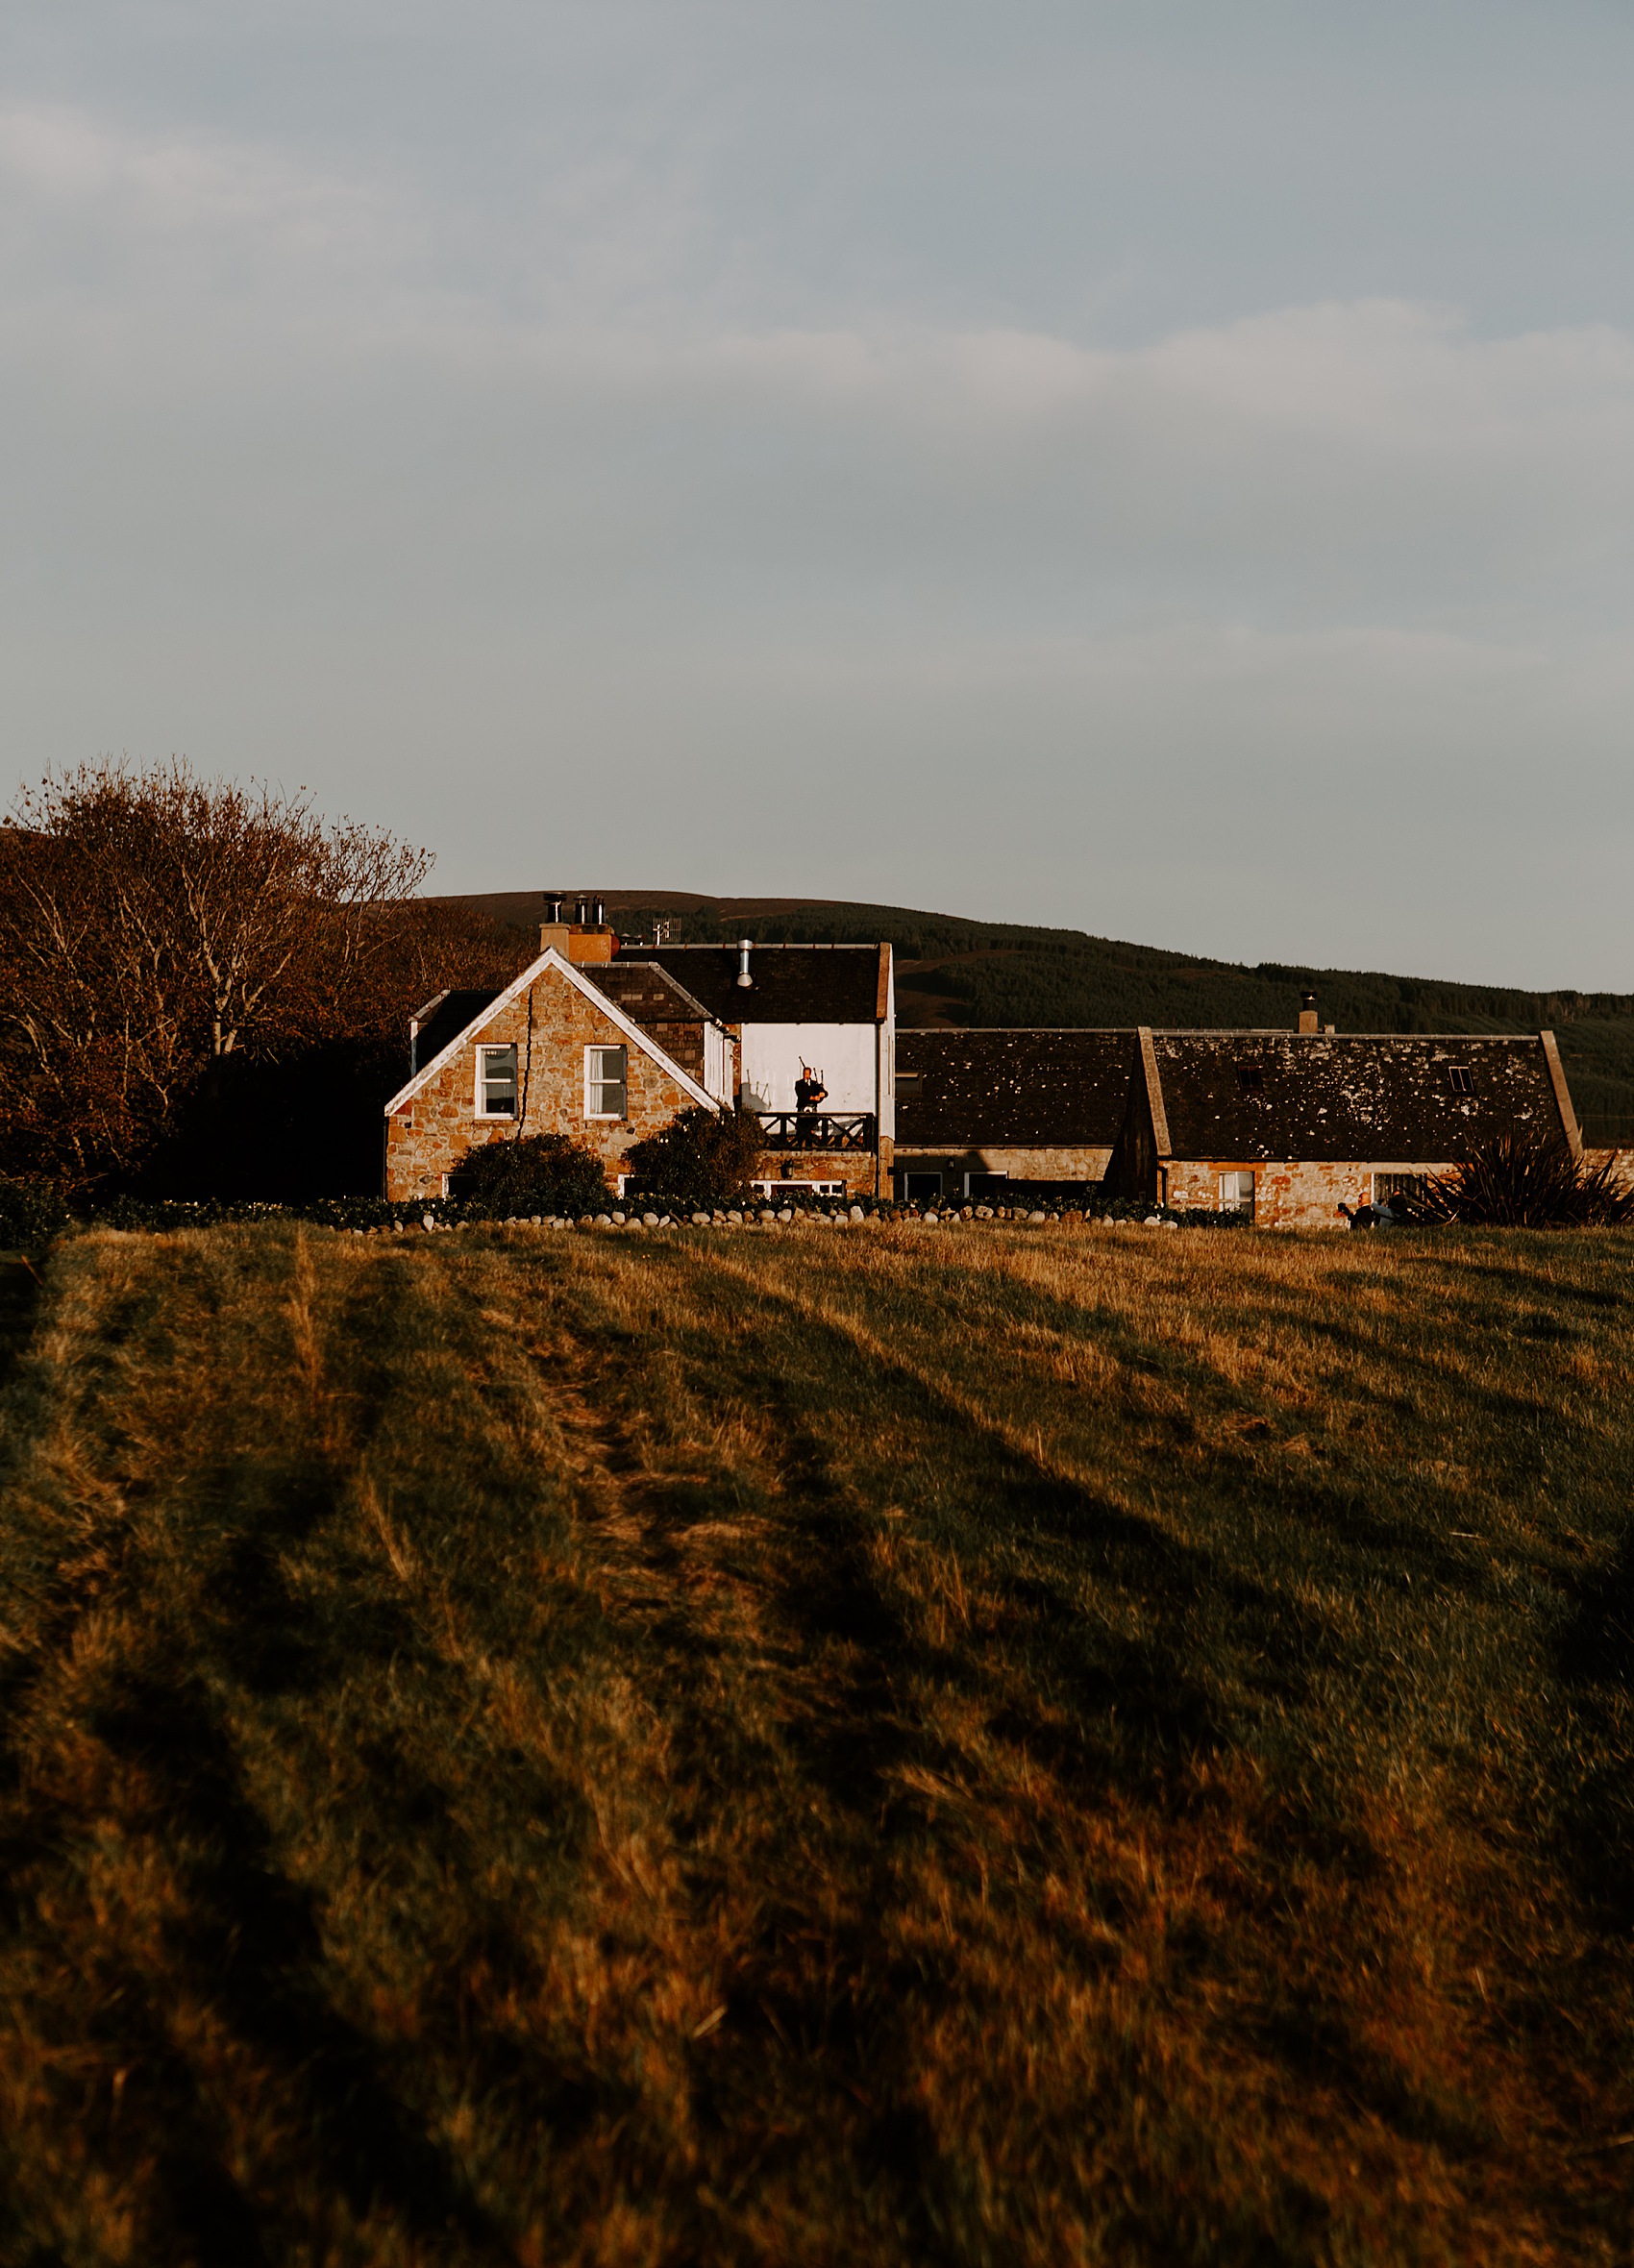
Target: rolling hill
x,y
954,970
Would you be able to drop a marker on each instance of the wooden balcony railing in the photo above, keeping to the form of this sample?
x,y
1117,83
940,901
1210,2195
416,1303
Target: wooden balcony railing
x,y
815,1129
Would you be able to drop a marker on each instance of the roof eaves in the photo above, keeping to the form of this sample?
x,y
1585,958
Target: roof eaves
x,y
535,970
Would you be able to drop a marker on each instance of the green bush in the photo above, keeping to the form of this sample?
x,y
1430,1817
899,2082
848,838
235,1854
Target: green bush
x,y
537,1174
31,1212
710,1155
1513,1183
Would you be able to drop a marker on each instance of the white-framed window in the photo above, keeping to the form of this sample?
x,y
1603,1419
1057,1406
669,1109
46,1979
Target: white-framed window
x,y
1237,1191
607,1072
920,1186
496,1082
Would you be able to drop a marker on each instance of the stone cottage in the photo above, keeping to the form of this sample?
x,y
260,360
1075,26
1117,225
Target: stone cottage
x,y
1286,1126
585,1049
1282,1126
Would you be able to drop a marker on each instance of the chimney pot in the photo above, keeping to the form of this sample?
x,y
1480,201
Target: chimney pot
x,y
1307,1012
553,906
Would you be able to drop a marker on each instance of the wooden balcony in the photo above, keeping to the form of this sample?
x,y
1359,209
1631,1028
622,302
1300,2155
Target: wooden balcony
x,y
816,1130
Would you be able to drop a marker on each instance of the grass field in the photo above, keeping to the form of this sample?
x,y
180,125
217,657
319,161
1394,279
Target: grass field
x,y
893,1745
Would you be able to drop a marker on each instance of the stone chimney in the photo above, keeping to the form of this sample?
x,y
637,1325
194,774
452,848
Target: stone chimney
x,y
587,939
1307,1012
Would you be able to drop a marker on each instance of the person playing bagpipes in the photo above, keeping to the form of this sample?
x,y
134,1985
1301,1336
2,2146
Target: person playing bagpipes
x,y
808,1092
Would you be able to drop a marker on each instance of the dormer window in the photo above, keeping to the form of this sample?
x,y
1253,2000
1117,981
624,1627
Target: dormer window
x,y
910,1084
1250,1078
1458,1078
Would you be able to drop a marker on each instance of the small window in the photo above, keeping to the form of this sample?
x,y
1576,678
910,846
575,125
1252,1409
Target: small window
x,y
604,1082
1250,1078
1237,1193
1459,1080
910,1084
1386,1186
916,1187
496,1082
984,1185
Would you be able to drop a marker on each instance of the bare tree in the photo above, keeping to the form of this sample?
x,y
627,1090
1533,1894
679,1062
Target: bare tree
x,y
153,923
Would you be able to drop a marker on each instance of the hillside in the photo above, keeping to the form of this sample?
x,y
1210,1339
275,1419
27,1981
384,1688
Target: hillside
x,y
608,1749
954,971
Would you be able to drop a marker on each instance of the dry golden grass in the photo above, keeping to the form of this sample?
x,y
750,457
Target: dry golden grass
x,y
892,1745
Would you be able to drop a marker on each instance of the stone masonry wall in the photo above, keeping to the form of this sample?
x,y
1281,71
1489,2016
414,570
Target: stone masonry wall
x,y
431,1135
1286,1195
1021,1165
852,1166
1621,1161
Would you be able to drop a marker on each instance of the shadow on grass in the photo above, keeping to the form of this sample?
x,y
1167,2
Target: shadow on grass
x,y
253,1951
19,1303
1596,1664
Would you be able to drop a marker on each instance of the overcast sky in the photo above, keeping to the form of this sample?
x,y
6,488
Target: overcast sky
x,y
1162,468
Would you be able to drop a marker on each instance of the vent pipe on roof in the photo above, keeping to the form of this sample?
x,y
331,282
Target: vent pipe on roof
x,y
743,977
1307,1012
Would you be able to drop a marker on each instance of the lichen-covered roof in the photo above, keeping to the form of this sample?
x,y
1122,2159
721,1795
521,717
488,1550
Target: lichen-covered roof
x,y
1331,1098
962,1090
791,983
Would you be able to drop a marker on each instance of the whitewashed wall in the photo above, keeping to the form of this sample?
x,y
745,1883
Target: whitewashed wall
x,y
845,1053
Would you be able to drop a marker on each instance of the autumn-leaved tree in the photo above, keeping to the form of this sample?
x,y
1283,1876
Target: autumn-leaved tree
x,y
156,929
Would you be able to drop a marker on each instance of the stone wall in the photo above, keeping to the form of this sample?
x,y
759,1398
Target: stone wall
x,y
1287,1194
855,1168
1021,1165
429,1135
1621,1163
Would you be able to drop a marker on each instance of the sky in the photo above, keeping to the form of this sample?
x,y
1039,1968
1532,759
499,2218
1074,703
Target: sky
x,y
1165,469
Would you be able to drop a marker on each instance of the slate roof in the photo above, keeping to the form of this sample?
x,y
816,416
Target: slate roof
x,y
792,983
646,993
1057,1089
1352,1096
444,1017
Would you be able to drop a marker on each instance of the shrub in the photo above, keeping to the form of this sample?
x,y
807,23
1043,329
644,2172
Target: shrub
x,y
537,1174
703,1153
1513,1183
31,1212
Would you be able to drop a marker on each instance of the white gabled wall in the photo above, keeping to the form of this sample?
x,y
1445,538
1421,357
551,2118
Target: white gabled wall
x,y
845,1053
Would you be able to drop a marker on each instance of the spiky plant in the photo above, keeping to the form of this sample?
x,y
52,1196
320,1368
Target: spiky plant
x,y
1512,1182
